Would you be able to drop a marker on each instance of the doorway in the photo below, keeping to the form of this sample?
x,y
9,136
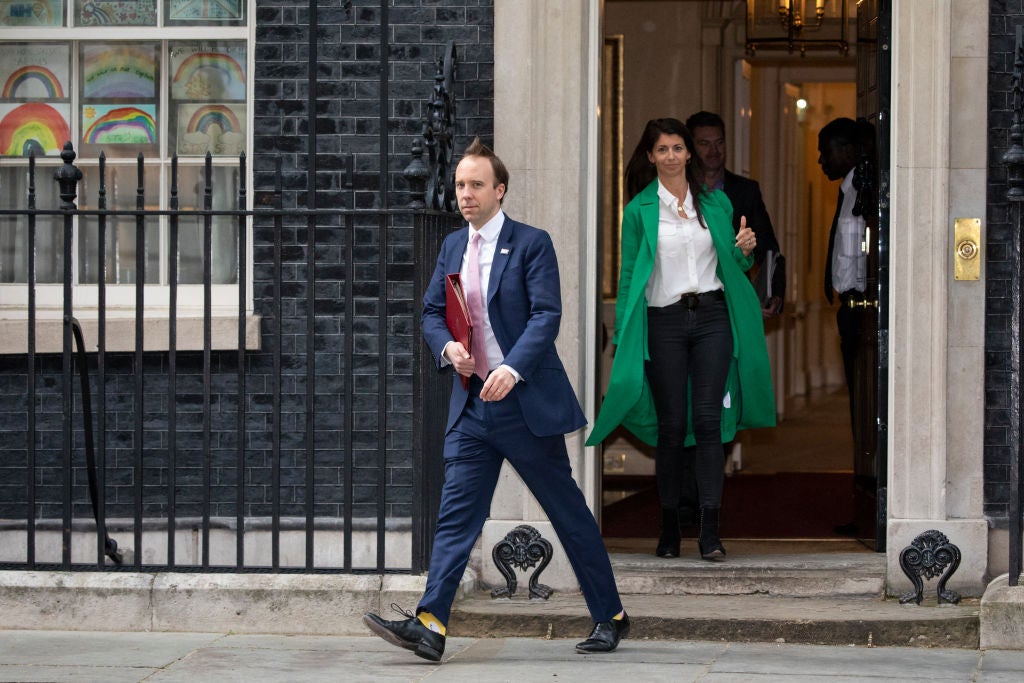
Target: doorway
x,y
797,480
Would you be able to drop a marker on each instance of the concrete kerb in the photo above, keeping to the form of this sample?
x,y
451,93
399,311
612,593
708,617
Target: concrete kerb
x,y
239,603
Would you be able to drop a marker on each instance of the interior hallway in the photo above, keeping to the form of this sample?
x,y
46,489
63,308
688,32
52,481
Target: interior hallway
x,y
793,486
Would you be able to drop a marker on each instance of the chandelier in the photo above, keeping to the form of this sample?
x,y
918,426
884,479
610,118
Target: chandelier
x,y
796,25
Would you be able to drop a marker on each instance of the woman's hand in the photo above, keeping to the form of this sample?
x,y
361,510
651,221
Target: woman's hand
x,y
746,240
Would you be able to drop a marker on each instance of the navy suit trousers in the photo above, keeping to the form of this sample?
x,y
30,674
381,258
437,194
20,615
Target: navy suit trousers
x,y
486,434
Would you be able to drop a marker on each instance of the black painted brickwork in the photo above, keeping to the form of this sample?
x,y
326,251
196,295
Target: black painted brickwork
x,y
347,123
999,439
348,86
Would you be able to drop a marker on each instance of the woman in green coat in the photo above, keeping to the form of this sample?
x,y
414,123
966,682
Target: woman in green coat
x,y
690,363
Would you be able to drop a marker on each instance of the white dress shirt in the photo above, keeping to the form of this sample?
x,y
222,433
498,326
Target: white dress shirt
x,y
849,262
685,259
488,242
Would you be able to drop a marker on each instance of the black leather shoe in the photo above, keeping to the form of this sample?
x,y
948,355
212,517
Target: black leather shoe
x,y
606,636
409,633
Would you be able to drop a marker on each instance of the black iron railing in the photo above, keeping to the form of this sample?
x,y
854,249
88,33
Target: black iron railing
x,y
326,437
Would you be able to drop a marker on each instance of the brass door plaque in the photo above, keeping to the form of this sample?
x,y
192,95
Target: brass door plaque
x,y
967,249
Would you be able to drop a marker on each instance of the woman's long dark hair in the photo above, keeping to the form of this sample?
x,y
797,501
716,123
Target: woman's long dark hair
x,y
640,171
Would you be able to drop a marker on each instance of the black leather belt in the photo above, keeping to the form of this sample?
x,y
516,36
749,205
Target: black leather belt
x,y
692,300
851,297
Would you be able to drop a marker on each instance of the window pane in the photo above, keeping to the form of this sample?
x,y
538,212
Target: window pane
x,y
119,99
115,13
191,193
206,12
49,246
32,13
121,231
35,109
208,86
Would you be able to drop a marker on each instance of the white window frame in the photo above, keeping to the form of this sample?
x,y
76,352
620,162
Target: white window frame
x,y
120,298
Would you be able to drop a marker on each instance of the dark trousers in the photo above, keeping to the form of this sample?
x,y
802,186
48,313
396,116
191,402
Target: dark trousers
x,y
849,320
689,347
486,434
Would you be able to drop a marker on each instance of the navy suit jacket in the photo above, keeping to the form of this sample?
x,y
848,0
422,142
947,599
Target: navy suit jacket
x,y
524,303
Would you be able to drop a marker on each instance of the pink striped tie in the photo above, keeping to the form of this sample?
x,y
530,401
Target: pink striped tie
x,y
474,299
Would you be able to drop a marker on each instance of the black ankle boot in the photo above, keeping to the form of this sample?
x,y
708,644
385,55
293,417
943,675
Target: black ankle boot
x,y
710,544
688,514
668,544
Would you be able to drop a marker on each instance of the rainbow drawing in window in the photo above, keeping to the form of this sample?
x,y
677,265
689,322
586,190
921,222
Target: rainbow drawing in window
x,y
119,124
33,80
202,75
197,10
113,70
33,128
214,128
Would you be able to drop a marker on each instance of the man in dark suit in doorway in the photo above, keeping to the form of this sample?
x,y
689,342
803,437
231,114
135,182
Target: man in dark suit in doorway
x,y
517,405
841,143
839,150
708,130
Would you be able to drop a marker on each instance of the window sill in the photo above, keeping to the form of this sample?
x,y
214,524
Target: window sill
x,y
121,334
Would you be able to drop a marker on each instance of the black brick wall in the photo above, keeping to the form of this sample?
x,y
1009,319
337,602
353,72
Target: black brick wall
x,y
347,122
1000,440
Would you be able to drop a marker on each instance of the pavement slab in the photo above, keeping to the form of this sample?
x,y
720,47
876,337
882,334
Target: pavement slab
x,y
77,657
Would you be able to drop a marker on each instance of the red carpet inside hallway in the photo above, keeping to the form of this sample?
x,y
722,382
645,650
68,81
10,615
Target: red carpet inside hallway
x,y
780,505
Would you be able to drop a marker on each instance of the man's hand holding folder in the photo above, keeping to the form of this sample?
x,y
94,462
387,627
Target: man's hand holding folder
x,y
460,323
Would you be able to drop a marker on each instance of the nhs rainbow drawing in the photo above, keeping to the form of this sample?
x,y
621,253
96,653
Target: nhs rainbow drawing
x,y
32,81
33,127
119,125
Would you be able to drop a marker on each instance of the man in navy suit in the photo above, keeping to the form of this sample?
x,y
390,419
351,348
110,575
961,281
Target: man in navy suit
x,y
518,406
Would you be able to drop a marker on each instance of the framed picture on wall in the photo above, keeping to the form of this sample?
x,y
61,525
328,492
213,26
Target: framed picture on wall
x,y
612,201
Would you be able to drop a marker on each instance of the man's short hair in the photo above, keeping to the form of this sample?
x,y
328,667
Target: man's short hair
x,y
705,119
841,131
478,149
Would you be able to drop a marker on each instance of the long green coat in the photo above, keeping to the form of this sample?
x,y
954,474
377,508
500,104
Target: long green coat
x,y
749,400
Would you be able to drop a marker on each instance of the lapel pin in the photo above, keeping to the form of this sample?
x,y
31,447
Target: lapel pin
x,y
504,250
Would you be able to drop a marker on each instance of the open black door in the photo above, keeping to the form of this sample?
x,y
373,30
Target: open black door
x,y
870,400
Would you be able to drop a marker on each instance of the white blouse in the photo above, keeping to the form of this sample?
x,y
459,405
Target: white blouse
x,y
685,259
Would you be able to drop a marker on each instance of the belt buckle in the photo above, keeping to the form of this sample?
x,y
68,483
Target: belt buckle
x,y
690,301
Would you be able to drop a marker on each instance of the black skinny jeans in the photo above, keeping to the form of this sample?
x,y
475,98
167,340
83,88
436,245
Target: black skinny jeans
x,y
695,345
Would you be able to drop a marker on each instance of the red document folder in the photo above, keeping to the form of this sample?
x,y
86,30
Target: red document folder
x,y
460,323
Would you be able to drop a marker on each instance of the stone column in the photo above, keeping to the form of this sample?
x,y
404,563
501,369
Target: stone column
x,y
545,130
936,339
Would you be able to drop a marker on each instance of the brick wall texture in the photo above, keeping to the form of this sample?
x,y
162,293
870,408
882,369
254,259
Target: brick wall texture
x,y
1001,439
